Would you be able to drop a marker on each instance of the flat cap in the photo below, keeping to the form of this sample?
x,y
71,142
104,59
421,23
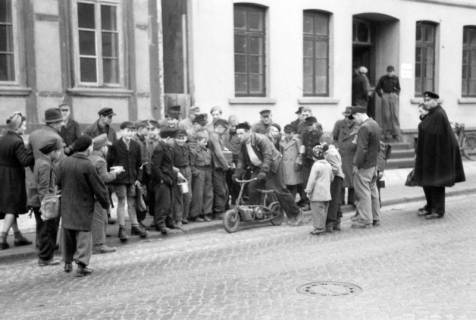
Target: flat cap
x,y
431,95
48,146
127,125
100,141
106,112
53,115
168,132
180,133
265,112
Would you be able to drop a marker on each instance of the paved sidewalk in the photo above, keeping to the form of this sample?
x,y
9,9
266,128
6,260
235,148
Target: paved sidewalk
x,y
394,193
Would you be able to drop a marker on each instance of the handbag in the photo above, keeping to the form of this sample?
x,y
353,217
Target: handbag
x,y
411,181
50,204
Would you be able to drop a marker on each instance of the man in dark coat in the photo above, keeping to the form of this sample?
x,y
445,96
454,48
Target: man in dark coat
x,y
70,130
102,125
260,158
438,160
80,186
360,87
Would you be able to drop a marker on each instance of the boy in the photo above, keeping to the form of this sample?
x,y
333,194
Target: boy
x,y
182,160
202,187
318,189
126,153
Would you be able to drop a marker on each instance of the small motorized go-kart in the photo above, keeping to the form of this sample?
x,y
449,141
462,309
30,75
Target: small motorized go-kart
x,y
268,211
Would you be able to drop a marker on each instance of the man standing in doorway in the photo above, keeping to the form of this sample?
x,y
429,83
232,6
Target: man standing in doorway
x,y
365,169
360,88
388,88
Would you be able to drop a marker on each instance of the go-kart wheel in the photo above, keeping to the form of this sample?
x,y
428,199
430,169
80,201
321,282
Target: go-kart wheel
x,y
231,220
277,212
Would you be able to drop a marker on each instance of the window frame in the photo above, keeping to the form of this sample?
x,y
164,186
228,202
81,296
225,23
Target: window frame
x,y
466,50
264,55
425,44
16,53
98,44
315,38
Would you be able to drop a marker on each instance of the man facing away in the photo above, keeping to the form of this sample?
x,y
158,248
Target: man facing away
x,y
80,187
365,169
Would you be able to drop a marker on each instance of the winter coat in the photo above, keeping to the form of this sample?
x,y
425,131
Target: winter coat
x,y
95,130
14,156
291,173
98,161
319,183
345,135
80,186
368,144
70,132
44,178
438,159
130,159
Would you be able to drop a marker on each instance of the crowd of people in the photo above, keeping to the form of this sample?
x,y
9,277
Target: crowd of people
x,y
182,171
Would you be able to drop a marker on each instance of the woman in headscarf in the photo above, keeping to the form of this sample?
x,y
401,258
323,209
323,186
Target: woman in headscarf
x,y
14,157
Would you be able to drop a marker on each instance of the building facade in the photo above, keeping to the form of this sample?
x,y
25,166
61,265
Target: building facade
x,y
248,55
90,54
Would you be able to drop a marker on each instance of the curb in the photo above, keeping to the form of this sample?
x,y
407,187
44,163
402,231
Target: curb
x,y
30,252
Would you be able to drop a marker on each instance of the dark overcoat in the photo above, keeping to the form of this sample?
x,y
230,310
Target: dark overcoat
x,y
14,156
80,185
438,160
345,134
130,159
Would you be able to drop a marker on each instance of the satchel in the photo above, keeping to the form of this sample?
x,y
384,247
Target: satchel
x,y
411,182
50,207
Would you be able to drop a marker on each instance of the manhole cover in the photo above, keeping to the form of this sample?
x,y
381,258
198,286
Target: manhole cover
x,y
329,288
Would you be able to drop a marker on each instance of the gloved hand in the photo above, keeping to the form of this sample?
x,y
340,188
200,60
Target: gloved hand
x,y
261,176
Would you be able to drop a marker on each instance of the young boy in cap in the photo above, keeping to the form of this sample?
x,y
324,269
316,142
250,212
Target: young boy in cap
x,y
182,160
164,179
202,186
318,189
126,153
98,159
45,183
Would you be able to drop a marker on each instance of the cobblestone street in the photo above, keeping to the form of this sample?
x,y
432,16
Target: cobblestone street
x,y
408,268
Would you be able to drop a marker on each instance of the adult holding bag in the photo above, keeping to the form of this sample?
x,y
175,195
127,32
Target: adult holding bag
x,y
42,200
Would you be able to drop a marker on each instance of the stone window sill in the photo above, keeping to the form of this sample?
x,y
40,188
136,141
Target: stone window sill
x,y
318,100
100,92
468,100
15,91
252,100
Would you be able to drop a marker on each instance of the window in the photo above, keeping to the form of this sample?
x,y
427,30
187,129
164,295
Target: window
x,y
361,32
7,45
425,57
249,24
316,54
469,62
98,45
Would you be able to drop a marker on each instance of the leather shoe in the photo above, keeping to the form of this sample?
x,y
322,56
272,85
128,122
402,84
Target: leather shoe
x,y
83,271
21,242
51,262
422,212
316,232
357,225
138,231
184,221
68,267
163,231
104,249
433,215
376,223
198,219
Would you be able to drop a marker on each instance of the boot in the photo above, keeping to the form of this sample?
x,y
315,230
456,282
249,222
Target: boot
x,y
20,240
138,231
123,234
3,241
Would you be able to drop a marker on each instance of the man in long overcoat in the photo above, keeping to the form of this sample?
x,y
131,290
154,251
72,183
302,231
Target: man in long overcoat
x,y
80,186
438,160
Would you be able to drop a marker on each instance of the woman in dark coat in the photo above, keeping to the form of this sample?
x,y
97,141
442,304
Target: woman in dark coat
x,y
14,156
438,160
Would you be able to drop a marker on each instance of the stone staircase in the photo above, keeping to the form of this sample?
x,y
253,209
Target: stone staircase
x,y
402,156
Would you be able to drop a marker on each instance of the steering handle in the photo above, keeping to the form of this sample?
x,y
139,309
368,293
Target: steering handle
x,y
246,181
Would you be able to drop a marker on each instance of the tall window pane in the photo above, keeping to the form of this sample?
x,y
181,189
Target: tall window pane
x,y
249,26
469,62
425,57
315,54
98,35
7,54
